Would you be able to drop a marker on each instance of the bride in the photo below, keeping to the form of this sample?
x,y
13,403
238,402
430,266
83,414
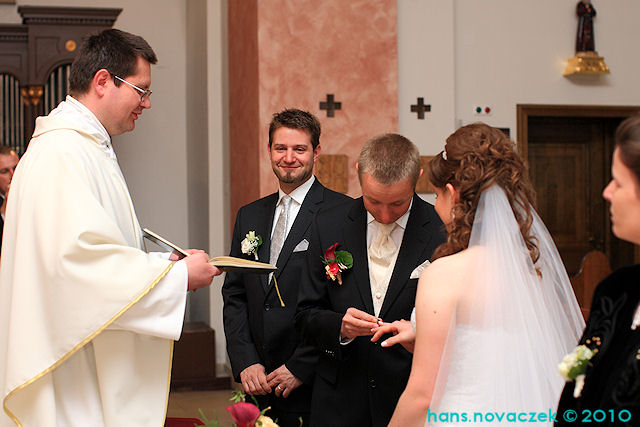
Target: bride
x,y
495,311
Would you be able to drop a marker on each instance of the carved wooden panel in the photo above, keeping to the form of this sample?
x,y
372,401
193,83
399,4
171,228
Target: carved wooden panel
x,y
13,50
55,32
33,54
423,185
332,171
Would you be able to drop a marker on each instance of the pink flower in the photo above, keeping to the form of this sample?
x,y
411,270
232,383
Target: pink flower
x,y
244,414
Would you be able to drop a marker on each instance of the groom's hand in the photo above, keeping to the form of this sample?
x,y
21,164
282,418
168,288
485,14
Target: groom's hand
x,y
357,323
283,381
254,380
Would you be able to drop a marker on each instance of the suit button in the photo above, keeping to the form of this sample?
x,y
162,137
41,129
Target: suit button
x,y
372,383
267,307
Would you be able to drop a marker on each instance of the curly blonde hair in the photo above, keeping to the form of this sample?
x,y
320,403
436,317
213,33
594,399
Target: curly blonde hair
x,y
476,157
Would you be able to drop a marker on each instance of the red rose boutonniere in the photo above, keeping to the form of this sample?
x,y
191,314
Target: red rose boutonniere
x,y
336,262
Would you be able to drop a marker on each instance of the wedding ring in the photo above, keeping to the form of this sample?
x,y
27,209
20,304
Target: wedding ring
x,y
279,387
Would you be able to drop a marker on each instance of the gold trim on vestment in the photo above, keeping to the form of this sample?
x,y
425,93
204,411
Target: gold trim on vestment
x,y
82,344
166,398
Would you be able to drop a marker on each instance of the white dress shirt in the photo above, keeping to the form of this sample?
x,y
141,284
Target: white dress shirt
x,y
379,290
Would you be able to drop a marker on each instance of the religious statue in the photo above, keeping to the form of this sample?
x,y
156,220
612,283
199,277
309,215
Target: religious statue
x,y
585,41
586,59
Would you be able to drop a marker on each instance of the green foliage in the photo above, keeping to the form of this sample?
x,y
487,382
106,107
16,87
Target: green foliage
x,y
344,258
237,396
209,423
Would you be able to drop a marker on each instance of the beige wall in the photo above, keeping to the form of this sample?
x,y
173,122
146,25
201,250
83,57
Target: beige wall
x,y
310,48
506,53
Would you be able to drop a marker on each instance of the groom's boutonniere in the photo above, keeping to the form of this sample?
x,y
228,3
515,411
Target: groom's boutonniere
x,y
250,244
574,365
336,262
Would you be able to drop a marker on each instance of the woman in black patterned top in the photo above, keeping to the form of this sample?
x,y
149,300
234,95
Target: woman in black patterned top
x,y
610,394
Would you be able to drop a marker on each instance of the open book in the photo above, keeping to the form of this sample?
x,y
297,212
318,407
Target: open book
x,y
227,263
161,241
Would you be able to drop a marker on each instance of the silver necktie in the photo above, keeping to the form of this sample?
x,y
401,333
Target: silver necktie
x,y
280,232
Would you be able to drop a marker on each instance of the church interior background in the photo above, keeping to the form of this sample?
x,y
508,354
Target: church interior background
x,y
421,68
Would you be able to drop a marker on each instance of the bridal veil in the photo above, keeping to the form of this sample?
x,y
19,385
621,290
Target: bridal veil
x,y
513,322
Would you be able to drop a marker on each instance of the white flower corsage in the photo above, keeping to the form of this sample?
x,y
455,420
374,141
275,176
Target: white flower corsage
x,y
250,244
574,365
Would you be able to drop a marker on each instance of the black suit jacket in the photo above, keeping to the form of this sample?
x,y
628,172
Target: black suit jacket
x,y
257,328
359,384
612,379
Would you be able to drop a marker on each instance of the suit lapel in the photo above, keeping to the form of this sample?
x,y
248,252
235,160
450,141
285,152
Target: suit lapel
x,y
414,243
356,242
301,224
266,223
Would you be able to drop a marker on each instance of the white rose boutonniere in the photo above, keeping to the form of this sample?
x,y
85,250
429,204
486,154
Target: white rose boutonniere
x,y
249,245
574,365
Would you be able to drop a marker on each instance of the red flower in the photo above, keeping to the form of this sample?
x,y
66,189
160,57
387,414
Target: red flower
x,y
330,253
333,268
335,262
244,414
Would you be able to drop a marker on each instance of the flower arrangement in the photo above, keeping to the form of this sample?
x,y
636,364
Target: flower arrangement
x,y
574,365
250,244
336,262
244,414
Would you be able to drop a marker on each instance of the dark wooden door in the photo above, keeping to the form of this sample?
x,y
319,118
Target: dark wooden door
x,y
570,164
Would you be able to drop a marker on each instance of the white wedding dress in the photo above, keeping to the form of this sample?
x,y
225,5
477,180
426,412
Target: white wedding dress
x,y
511,326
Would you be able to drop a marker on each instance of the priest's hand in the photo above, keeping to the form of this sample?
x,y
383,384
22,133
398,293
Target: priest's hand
x,y
283,381
254,380
402,331
201,273
357,323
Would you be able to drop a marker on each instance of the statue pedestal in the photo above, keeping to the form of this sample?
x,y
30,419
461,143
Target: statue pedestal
x,y
586,63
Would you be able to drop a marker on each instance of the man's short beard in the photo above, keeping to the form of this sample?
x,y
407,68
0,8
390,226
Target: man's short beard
x,y
287,178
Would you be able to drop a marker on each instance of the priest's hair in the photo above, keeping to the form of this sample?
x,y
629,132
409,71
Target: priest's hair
x,y
114,50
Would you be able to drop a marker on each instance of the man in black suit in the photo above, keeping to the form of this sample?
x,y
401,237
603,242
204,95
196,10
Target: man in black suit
x,y
390,233
266,355
8,162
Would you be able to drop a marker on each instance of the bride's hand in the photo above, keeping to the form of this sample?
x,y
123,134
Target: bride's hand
x,y
402,331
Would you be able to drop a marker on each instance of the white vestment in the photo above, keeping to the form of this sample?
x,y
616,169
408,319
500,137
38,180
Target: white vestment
x,y
87,318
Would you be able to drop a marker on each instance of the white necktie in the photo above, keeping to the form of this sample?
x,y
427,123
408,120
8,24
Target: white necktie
x,y
381,253
280,232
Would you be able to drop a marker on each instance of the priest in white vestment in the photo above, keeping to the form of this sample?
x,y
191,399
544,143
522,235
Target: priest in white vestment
x,y
87,318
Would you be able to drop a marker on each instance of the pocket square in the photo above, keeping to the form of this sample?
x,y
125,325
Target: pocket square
x,y
302,246
419,269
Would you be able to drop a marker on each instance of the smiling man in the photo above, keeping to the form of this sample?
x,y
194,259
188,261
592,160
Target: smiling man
x,y
390,232
266,355
88,316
